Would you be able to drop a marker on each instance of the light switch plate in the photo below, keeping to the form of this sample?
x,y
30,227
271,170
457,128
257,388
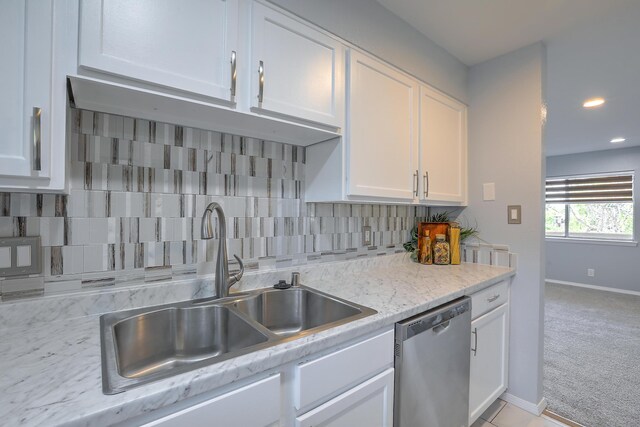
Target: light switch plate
x,y
514,214
489,191
25,256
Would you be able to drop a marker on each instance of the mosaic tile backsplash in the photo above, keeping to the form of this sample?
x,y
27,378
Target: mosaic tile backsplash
x,y
138,190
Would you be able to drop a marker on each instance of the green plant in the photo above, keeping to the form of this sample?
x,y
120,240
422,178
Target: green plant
x,y
466,232
439,217
412,245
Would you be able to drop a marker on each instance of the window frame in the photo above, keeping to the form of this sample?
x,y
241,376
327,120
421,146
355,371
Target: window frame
x,y
606,239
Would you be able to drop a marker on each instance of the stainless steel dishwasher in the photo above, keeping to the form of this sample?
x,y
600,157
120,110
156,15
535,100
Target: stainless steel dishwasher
x,y
432,354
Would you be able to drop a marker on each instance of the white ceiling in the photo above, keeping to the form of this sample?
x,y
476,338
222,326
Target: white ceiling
x,y
593,49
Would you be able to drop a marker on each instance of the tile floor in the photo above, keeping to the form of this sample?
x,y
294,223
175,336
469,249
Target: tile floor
x,y
503,414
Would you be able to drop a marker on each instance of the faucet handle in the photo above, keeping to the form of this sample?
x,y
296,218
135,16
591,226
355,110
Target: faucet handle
x,y
236,277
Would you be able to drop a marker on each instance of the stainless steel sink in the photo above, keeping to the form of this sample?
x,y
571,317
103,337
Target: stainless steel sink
x,y
165,339
147,344
295,310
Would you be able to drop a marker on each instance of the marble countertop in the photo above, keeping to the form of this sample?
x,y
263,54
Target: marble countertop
x,y
50,361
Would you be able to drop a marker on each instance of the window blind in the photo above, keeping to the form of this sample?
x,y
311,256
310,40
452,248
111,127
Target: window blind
x,y
609,188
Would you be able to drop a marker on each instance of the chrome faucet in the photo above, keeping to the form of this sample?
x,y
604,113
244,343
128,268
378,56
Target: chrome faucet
x,y
222,281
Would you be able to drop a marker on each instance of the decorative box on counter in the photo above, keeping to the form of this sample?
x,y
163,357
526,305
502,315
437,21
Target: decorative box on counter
x,y
438,243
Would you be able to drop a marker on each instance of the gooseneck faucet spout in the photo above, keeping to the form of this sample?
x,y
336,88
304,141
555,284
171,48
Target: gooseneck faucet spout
x,y
222,280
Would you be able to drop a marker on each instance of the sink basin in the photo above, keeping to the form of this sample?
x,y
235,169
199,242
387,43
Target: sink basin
x,y
147,344
294,311
172,337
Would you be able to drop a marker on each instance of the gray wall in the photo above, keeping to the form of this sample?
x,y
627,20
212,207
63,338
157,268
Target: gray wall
x,y
367,24
615,266
506,148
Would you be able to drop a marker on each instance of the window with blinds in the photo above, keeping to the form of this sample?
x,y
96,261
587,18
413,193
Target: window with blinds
x,y
611,188
590,207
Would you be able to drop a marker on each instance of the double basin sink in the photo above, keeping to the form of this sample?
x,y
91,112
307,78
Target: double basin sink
x,y
147,344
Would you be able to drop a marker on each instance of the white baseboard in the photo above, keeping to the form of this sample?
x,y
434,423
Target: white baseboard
x,y
535,409
598,288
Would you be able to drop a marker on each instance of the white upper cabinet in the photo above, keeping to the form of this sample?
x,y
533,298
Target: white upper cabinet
x,y
33,102
296,70
382,131
186,45
443,149
190,62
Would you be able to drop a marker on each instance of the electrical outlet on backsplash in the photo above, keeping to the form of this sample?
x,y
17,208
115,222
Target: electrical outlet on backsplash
x,y
138,190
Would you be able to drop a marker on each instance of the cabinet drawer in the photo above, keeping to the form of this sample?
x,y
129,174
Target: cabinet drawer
x,y
335,372
230,409
368,404
488,299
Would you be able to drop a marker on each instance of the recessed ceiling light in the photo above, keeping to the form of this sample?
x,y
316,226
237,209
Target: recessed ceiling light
x,y
593,102
617,140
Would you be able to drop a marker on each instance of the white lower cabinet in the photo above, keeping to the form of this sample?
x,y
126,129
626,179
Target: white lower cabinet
x,y
489,353
368,404
322,378
255,405
349,386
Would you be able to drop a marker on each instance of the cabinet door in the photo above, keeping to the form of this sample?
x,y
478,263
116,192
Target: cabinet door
x,y
443,148
255,405
26,34
489,346
302,69
369,404
186,45
382,109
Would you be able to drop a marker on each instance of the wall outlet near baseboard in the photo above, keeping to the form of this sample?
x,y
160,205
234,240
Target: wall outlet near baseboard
x,y
591,272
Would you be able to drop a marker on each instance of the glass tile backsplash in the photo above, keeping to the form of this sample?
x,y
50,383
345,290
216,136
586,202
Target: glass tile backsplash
x,y
138,190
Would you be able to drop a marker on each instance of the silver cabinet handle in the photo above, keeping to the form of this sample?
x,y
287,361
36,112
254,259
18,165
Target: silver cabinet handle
x,y
415,191
260,82
426,184
37,144
234,73
493,298
475,345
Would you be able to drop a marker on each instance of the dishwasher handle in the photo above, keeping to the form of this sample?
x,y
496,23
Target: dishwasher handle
x,y
441,326
437,320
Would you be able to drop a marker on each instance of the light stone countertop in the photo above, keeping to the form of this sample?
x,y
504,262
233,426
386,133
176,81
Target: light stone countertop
x,y
50,347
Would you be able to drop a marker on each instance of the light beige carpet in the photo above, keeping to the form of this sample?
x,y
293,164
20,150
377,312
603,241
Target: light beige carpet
x,y
592,356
